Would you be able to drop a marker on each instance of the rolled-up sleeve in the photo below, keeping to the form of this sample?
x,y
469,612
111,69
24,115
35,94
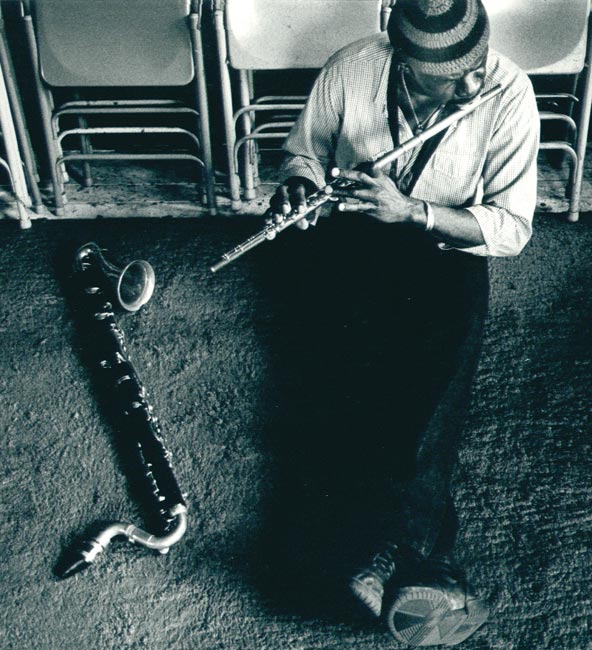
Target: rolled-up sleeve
x,y
506,211
311,144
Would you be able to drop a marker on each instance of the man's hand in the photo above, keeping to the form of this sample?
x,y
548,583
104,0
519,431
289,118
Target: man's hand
x,y
378,196
291,195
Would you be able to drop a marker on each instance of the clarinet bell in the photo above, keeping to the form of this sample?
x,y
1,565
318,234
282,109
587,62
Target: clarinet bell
x,y
135,285
132,285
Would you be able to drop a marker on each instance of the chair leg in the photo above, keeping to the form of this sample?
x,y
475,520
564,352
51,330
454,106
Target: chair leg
x,y
251,82
45,112
255,157
55,126
582,140
19,186
229,130
249,150
204,122
22,133
85,148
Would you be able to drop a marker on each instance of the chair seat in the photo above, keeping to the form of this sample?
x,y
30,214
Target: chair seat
x,y
543,37
91,48
100,43
282,34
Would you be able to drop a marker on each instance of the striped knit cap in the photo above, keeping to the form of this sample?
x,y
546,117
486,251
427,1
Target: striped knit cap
x,y
439,36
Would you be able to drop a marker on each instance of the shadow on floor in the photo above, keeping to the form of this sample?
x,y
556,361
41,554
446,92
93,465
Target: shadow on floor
x,y
346,397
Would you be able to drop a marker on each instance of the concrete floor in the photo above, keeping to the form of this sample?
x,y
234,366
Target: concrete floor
x,y
260,566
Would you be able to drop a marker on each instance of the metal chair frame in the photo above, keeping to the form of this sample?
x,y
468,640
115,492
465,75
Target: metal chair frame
x,y
13,164
244,119
575,142
20,165
575,146
284,108
81,109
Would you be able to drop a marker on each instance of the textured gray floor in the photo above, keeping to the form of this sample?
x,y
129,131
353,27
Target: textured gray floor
x,y
208,350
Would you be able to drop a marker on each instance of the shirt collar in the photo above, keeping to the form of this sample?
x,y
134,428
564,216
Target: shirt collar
x,y
380,95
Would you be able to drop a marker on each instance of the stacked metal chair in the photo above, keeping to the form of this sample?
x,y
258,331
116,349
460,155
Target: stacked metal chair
x,y
18,160
262,35
548,39
551,39
83,49
106,48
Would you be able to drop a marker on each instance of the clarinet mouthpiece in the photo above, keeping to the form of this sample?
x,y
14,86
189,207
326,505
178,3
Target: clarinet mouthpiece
x,y
77,558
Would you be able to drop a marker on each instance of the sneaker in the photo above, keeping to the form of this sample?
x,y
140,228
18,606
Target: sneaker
x,y
440,610
368,584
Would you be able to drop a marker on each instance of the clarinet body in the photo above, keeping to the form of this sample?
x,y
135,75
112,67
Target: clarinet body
x,y
94,278
277,223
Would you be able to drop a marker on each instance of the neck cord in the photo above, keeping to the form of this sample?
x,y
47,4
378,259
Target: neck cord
x,y
419,126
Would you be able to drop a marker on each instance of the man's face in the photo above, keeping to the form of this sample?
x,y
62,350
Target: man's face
x,y
457,88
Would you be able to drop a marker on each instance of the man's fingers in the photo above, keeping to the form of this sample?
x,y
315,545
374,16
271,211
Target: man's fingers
x,y
360,206
298,198
353,175
303,223
376,172
285,206
280,201
362,195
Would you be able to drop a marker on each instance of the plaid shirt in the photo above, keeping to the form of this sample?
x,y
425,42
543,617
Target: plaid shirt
x,y
486,162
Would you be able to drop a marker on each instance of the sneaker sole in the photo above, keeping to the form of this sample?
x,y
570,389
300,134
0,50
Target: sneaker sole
x,y
422,616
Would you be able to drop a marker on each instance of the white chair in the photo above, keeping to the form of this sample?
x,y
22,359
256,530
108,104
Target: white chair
x,y
263,35
27,179
550,38
11,161
109,48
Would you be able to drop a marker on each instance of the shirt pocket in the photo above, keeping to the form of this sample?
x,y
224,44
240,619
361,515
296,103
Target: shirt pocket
x,y
454,164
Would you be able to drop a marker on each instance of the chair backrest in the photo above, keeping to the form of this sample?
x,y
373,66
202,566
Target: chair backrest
x,y
541,36
284,34
114,42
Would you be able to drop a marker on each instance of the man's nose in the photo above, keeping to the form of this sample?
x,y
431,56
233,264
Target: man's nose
x,y
469,86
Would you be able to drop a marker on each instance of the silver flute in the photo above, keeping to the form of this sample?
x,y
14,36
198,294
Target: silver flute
x,y
277,223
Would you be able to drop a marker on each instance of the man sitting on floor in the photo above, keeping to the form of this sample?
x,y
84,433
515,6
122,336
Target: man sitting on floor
x,y
466,194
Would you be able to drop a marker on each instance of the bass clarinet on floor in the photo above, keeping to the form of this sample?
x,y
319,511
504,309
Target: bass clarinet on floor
x,y
98,285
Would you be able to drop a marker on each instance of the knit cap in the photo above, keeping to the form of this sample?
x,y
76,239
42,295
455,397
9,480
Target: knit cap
x,y
439,36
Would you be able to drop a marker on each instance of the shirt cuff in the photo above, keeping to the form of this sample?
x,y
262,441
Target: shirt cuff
x,y
298,168
481,213
480,250
505,233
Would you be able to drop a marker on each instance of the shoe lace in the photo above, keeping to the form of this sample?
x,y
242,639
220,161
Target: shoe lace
x,y
384,563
